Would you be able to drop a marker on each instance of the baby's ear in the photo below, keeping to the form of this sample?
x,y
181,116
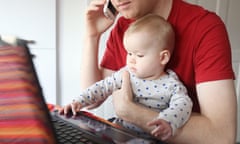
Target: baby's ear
x,y
164,57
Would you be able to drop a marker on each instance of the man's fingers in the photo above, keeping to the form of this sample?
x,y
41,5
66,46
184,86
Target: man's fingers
x,y
125,80
126,86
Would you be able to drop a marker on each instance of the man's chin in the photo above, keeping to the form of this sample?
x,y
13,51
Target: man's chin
x,y
128,16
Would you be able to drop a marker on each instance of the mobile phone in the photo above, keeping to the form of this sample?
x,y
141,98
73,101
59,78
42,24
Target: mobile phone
x,y
109,10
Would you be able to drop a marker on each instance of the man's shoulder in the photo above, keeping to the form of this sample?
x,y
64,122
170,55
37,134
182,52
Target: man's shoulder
x,y
193,11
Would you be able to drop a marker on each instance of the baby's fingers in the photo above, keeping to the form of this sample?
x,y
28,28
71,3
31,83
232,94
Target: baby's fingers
x,y
75,106
166,135
157,131
61,111
74,109
66,109
163,132
154,122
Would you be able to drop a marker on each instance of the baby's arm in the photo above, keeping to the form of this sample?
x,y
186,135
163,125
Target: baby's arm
x,y
180,106
95,93
162,129
100,90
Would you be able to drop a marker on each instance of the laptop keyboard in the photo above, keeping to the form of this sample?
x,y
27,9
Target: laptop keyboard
x,y
68,134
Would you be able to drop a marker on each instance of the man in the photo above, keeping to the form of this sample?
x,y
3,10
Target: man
x,y
202,59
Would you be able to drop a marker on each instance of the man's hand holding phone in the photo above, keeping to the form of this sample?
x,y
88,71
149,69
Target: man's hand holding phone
x,y
96,21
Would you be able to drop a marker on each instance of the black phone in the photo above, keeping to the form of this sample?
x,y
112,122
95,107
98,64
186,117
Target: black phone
x,y
109,10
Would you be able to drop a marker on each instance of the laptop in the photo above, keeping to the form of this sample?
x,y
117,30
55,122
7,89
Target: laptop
x,y
26,118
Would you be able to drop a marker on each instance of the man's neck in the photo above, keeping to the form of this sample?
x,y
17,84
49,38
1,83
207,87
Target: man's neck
x,y
163,8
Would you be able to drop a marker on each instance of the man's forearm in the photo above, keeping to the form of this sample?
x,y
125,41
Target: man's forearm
x,y
197,130
90,71
139,115
200,130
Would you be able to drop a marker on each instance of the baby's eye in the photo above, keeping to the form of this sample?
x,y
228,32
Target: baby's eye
x,y
130,54
140,55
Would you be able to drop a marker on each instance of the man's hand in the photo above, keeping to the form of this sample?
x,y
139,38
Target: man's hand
x,y
126,109
96,21
123,96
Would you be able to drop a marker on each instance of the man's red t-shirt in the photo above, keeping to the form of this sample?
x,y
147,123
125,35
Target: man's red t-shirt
x,y
202,49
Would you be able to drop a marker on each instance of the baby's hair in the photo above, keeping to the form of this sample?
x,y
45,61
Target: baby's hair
x,y
157,26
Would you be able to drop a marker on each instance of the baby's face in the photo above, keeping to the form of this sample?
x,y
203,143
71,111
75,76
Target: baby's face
x,y
143,58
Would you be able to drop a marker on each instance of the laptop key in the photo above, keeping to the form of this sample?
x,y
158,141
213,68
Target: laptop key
x,y
67,134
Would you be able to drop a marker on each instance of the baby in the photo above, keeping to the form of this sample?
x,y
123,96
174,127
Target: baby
x,y
149,42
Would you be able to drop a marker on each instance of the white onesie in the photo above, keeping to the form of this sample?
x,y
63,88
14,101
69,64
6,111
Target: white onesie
x,y
166,95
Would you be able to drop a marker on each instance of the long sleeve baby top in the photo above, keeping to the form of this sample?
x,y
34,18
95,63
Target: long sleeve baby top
x,y
166,95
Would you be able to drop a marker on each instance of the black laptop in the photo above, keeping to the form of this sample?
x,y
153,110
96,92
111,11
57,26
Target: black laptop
x,y
85,128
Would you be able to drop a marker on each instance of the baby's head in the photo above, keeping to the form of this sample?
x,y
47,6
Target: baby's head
x,y
154,30
149,42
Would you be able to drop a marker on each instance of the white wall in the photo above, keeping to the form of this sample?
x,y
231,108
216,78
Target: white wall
x,y
71,29
34,20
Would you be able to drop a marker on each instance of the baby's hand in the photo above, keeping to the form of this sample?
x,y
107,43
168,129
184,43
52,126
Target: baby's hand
x,y
162,130
73,107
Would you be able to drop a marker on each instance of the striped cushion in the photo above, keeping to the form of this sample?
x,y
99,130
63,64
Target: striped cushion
x,y
22,115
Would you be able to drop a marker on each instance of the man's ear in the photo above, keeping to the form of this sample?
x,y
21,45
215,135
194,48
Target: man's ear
x,y
164,57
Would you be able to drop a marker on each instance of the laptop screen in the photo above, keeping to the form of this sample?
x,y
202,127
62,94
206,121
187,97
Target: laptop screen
x,y
23,117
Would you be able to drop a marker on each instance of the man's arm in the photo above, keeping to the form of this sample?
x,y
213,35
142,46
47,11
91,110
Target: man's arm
x,y
90,71
96,23
218,119
126,109
215,124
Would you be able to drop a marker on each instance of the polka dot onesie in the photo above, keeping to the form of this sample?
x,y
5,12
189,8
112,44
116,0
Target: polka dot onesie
x,y
166,95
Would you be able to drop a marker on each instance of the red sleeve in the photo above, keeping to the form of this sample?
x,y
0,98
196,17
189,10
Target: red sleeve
x,y
213,53
202,50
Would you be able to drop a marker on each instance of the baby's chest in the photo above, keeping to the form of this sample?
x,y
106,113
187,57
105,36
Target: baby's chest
x,y
151,93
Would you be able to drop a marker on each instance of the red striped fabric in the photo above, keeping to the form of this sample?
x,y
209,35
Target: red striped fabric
x,y
22,116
